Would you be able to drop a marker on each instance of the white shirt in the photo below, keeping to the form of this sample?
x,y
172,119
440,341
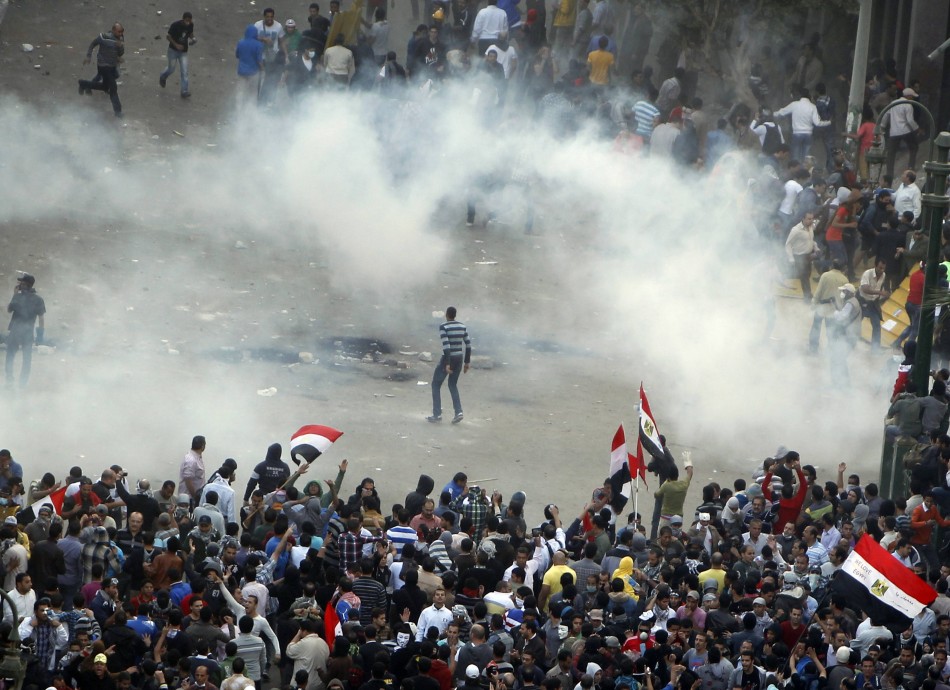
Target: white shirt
x,y
900,118
804,116
800,242
661,143
433,617
490,23
24,603
380,33
792,190
869,280
274,32
226,503
506,58
907,198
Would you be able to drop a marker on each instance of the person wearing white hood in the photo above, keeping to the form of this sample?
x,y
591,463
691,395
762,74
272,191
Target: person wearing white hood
x,y
732,516
596,672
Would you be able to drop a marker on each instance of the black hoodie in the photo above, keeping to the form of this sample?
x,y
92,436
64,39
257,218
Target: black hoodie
x,y
270,474
415,499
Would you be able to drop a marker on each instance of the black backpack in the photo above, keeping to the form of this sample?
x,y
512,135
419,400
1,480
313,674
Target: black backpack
x,y
773,139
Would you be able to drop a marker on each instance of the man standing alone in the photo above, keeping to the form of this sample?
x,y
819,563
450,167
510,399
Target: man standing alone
x,y
454,361
25,308
111,49
180,36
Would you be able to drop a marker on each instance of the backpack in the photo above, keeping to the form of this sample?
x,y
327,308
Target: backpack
x,y
772,138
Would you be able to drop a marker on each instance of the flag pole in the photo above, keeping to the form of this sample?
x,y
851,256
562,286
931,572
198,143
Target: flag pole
x,y
636,491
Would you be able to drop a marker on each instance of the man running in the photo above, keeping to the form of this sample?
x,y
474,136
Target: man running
x,y
111,47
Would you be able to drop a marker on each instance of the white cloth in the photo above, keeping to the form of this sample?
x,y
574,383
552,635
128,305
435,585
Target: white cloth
x,y
871,281
490,23
907,198
792,189
506,58
274,32
226,503
800,242
900,118
804,116
433,617
24,603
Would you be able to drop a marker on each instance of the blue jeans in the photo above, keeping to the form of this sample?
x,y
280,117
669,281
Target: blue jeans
x,y
801,145
837,250
438,376
910,333
826,136
180,57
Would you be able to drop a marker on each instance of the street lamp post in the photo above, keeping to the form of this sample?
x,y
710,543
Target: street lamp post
x,y
934,202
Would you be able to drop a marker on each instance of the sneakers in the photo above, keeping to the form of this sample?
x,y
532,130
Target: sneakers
x,y
161,81
458,418
434,418
469,224
186,94
82,90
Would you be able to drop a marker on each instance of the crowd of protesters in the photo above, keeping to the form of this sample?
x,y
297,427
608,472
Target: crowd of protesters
x,y
210,582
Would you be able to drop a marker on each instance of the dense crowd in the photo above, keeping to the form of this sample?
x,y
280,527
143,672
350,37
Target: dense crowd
x,y
208,582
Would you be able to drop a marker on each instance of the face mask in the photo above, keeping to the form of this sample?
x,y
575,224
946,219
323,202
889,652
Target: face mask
x,y
519,602
311,53
402,639
591,588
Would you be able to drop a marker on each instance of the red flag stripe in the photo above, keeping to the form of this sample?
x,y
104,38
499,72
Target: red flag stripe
x,y
895,571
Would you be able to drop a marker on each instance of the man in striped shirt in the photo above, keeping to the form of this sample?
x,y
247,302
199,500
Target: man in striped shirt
x,y
456,355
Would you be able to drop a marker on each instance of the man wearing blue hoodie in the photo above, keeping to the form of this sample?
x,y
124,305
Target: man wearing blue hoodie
x,y
250,55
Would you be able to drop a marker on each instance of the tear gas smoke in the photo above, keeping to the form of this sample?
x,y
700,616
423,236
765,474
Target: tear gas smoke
x,y
351,212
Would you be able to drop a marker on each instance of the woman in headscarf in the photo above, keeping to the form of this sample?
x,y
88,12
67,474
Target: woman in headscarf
x,y
624,572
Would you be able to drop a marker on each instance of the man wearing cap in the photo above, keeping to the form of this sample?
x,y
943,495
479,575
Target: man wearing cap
x,y
901,127
25,308
823,302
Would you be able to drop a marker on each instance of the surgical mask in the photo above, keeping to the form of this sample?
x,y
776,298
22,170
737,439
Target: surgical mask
x,y
591,588
519,602
311,53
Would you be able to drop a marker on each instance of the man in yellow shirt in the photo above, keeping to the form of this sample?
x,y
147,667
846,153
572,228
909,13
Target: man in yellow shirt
x,y
551,583
599,63
564,18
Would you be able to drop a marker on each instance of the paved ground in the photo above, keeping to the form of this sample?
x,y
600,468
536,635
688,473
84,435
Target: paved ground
x,y
186,256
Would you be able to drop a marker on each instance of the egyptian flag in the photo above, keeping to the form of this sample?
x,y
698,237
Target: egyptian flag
x,y
619,470
637,466
331,623
53,500
649,435
874,581
311,441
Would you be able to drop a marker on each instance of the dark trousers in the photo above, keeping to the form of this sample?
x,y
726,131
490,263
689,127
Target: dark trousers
x,y
872,312
803,270
894,143
108,84
21,340
439,376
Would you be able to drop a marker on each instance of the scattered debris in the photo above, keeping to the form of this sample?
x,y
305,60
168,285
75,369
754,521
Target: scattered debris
x,y
177,133
267,392
486,263
240,245
482,362
27,48
425,356
305,357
